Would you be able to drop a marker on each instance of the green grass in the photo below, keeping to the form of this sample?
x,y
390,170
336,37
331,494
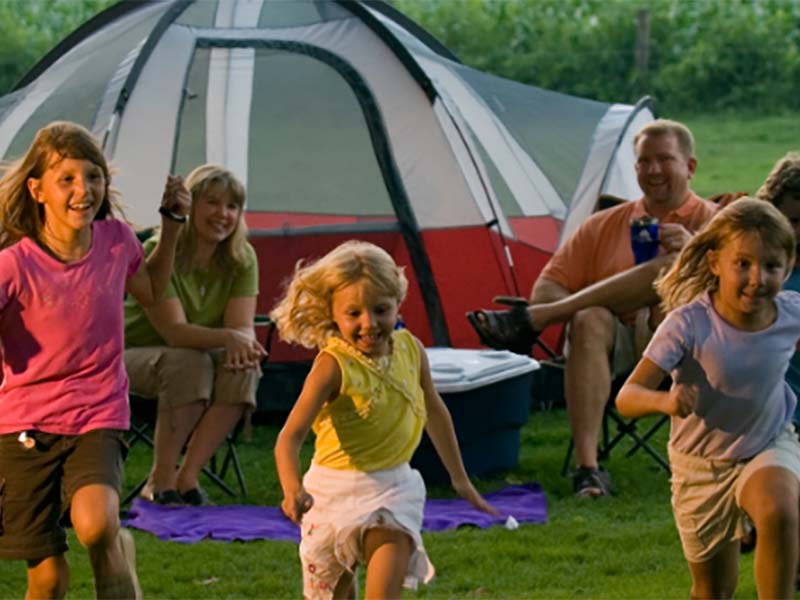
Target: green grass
x,y
622,547
735,152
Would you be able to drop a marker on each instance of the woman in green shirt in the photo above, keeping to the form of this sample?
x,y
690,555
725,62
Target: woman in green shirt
x,y
196,350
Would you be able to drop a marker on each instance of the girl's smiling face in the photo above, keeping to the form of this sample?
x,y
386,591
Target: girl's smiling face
x,y
365,317
71,191
751,273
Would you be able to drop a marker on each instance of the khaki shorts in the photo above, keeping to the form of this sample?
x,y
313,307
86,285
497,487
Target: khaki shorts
x,y
706,494
629,343
37,484
182,376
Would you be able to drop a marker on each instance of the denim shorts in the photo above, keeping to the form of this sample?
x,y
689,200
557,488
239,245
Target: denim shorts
x,y
37,484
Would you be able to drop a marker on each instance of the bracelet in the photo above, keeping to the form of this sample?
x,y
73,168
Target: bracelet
x,y
171,215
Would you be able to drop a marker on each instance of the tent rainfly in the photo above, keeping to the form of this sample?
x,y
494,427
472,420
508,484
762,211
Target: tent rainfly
x,y
344,119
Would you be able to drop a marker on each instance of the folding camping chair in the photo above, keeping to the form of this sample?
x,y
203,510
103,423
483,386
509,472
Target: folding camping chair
x,y
143,419
615,428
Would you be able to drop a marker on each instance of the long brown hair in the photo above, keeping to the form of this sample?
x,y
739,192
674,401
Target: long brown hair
x,y
690,275
20,215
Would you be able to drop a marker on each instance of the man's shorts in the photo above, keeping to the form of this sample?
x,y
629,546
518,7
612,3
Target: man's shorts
x,y
706,494
182,376
37,484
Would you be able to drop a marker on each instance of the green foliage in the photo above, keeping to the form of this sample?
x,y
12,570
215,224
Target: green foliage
x,y
30,28
703,55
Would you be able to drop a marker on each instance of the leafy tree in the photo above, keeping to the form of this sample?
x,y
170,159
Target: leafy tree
x,y
30,28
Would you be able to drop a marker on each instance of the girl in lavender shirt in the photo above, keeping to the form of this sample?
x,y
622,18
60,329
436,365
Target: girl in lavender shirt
x,y
65,266
733,451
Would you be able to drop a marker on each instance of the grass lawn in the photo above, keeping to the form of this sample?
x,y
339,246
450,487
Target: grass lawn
x,y
622,547
735,152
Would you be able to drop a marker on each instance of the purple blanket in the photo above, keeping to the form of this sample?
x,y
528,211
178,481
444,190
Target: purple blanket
x,y
526,503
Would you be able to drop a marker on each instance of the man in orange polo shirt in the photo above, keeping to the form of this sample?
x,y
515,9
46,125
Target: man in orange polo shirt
x,y
591,283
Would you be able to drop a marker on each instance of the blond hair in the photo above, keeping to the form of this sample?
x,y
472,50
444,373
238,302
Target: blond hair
x,y
690,275
303,316
669,127
783,182
20,215
230,253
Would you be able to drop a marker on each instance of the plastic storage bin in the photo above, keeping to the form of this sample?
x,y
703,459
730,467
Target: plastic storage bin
x,y
488,393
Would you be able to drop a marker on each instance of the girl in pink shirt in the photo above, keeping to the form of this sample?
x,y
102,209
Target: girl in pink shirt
x,y
65,266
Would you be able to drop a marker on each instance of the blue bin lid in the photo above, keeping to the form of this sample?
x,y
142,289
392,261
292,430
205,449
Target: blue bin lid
x,y
458,370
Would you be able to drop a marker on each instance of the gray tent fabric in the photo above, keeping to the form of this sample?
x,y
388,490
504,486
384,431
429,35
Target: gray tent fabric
x,y
341,117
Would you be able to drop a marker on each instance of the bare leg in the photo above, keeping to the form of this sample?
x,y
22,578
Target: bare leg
x,y
95,517
172,430
387,552
717,577
587,379
621,293
209,434
346,587
47,578
771,497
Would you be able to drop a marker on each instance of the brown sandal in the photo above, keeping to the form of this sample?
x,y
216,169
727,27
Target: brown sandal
x,y
504,329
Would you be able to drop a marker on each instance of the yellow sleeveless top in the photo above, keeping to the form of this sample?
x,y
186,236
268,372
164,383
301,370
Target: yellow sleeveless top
x,y
376,422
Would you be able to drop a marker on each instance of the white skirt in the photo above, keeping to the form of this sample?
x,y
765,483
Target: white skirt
x,y
348,503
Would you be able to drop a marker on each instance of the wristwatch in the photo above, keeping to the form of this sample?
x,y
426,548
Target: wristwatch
x,y
171,215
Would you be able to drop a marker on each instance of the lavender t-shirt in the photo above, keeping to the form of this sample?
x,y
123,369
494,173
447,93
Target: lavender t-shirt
x,y
62,335
744,401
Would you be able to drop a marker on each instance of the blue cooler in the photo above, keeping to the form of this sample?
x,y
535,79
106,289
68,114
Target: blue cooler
x,y
488,393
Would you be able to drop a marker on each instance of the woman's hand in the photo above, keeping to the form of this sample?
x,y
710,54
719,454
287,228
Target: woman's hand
x,y
296,505
242,351
681,400
466,490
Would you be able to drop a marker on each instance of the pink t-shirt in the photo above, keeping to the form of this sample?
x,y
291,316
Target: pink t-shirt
x,y
61,328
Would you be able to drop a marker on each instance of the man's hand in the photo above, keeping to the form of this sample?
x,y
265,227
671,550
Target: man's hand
x,y
673,237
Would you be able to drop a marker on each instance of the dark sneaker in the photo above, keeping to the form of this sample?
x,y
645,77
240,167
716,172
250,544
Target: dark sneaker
x,y
196,497
167,498
590,482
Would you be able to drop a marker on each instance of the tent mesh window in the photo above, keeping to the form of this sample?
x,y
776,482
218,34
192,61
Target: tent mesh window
x,y
334,165
77,98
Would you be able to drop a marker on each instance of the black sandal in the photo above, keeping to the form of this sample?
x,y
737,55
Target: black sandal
x,y
504,329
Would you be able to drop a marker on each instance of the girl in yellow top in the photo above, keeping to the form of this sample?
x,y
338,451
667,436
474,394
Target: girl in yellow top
x,y
368,396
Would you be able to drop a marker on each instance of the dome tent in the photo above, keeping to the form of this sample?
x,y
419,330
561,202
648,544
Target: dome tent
x,y
344,119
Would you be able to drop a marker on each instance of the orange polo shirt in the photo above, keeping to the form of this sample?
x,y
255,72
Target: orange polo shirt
x,y
601,247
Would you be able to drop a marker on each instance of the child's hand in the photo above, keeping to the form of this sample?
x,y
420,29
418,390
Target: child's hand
x,y
296,506
466,490
681,400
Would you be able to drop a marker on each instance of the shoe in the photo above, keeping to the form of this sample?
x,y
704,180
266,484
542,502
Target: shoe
x,y
167,498
504,329
129,553
590,482
196,497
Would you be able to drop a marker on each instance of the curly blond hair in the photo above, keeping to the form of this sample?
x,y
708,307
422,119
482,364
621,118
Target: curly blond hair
x,y
690,274
783,182
304,316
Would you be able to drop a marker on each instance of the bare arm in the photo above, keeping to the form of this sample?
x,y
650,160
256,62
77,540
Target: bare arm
x,y
640,395
322,385
150,280
237,335
440,429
